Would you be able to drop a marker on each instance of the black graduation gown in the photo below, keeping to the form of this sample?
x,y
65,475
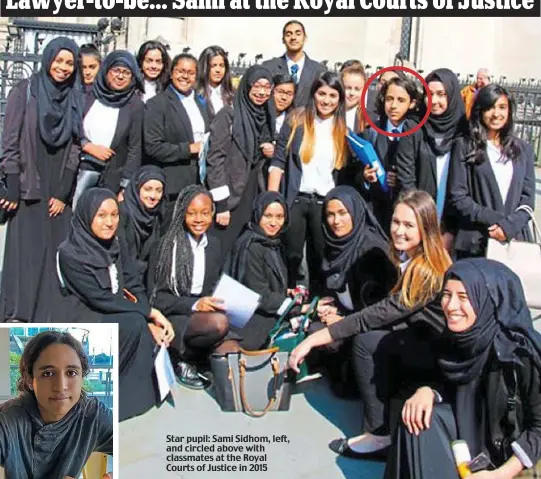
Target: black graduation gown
x,y
90,299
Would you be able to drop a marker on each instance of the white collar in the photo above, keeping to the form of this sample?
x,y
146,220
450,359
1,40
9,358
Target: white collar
x,y
405,261
390,127
300,63
202,243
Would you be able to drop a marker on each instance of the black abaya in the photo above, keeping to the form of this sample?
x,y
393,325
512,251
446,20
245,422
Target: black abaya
x,y
30,290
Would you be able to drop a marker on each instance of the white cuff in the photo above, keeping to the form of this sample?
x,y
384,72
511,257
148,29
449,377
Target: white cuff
x,y
195,305
521,455
220,193
437,396
275,168
283,307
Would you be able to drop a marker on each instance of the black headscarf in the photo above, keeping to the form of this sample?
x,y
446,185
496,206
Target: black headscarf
x,y
114,98
442,129
144,222
503,328
82,245
236,264
252,124
60,105
342,253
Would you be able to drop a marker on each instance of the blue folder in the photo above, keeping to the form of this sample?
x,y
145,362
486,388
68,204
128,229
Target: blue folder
x,y
365,152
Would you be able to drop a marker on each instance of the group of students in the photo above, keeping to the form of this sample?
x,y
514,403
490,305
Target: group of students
x,y
127,200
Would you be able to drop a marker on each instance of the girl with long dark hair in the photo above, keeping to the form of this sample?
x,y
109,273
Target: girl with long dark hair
x,y
154,62
311,154
214,79
52,427
40,160
492,175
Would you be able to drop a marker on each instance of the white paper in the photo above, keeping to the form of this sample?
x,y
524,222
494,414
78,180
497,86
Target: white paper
x,y
240,302
164,372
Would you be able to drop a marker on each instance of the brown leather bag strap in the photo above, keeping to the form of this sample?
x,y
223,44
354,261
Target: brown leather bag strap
x,y
275,364
260,352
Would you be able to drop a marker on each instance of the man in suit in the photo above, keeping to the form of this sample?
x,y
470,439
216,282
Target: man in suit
x,y
295,62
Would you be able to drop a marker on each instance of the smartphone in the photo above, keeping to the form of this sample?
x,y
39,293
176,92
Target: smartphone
x,y
481,462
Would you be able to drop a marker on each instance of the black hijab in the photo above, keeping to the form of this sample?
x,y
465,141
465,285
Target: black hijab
x,y
503,328
114,98
440,130
236,264
144,222
60,105
342,253
82,246
252,124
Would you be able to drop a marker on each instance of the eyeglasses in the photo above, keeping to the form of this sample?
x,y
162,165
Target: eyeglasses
x,y
265,88
121,72
185,73
288,94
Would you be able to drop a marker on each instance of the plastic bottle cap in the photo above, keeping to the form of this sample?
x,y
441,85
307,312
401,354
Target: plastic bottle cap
x,y
461,451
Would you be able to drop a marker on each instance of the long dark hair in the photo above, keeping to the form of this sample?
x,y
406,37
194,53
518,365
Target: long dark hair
x,y
411,89
307,119
36,346
485,100
203,70
163,79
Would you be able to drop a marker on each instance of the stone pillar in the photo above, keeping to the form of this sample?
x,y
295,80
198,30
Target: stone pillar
x,y
5,387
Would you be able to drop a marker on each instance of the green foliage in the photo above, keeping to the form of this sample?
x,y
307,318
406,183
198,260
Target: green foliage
x,y
14,375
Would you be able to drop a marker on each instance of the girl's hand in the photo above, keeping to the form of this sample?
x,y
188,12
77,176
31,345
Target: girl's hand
x,y
224,218
98,151
267,149
331,319
8,205
417,410
392,179
297,356
56,207
370,174
210,304
496,232
160,320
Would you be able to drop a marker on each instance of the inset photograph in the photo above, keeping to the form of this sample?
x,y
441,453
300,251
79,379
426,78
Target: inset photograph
x,y
57,401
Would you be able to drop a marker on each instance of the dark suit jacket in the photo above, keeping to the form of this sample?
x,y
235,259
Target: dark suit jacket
x,y
475,197
289,161
167,137
170,304
310,71
127,144
19,149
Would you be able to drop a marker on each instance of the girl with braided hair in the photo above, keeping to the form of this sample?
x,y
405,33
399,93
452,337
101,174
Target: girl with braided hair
x,y
186,269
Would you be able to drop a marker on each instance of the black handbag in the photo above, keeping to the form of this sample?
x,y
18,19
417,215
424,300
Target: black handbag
x,y
253,382
92,160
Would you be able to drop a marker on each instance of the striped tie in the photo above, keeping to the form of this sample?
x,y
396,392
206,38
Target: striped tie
x,y
294,73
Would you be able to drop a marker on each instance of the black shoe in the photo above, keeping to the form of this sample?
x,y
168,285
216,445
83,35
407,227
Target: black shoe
x,y
188,376
341,447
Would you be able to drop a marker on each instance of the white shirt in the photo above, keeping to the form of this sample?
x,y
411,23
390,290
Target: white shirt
x,y
350,118
405,262
150,90
317,174
216,98
198,250
196,119
502,167
100,124
442,163
345,299
280,121
300,64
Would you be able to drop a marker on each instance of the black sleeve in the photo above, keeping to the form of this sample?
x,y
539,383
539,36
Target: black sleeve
x,y
135,144
460,196
386,313
256,279
220,145
133,279
405,162
104,439
279,160
156,145
13,125
85,285
162,297
5,441
513,224
67,180
530,390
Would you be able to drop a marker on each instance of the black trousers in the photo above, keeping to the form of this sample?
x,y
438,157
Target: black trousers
x,y
306,215
428,455
388,364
